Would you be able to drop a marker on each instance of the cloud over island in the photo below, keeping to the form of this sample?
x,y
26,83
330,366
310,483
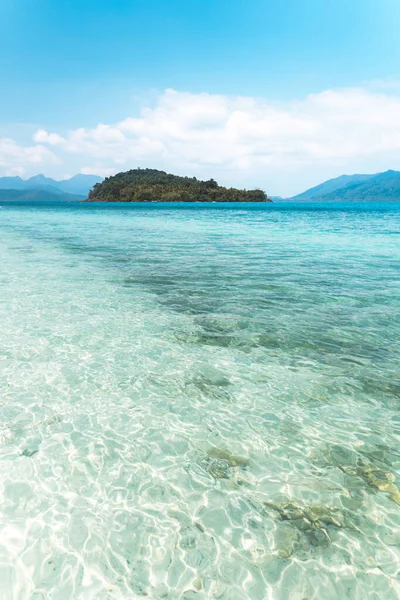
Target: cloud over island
x,y
232,138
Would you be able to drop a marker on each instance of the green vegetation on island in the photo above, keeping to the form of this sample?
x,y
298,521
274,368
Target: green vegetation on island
x,y
151,185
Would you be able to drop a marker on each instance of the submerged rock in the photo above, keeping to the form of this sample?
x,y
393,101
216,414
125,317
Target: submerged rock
x,y
205,382
351,463
218,469
230,459
210,383
381,479
28,452
241,477
221,464
287,538
317,515
305,526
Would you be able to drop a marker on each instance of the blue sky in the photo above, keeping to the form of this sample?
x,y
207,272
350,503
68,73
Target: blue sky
x,y
71,66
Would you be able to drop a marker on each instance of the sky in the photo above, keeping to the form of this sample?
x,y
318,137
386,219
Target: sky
x,y
254,93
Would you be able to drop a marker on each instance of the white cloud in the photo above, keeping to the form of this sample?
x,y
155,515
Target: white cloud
x,y
98,170
14,172
53,139
16,159
241,139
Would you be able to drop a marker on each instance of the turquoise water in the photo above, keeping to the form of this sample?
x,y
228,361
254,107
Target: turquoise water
x,y
199,402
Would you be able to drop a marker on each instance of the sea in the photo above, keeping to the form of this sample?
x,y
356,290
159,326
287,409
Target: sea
x,y
200,401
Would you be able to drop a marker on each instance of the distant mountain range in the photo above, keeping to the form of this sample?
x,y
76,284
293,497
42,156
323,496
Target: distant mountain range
x,y
378,187
375,187
39,195
75,188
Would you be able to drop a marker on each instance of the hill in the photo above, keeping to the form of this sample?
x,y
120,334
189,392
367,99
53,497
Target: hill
x,y
151,185
379,187
78,184
36,195
331,185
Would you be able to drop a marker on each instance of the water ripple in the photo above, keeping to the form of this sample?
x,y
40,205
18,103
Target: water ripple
x,y
199,403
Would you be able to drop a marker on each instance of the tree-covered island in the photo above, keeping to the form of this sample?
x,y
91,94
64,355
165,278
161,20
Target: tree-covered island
x,y
151,185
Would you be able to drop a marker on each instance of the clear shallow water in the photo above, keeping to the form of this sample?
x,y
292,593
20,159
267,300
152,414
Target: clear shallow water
x,y
199,402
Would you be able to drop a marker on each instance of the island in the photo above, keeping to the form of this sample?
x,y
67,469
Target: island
x,y
151,185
